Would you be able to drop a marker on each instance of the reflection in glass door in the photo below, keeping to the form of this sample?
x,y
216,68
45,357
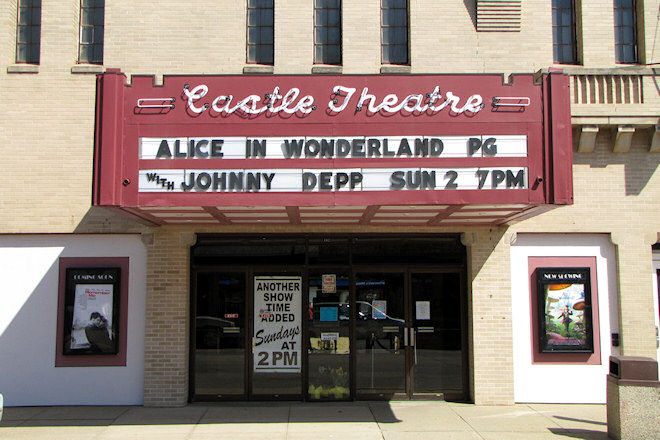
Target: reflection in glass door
x,y
436,342
379,331
219,355
328,329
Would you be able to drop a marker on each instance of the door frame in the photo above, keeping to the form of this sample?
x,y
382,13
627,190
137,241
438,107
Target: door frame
x,y
303,269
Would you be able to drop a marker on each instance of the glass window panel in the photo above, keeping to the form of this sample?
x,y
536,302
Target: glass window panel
x,y
98,17
401,54
98,53
87,17
567,34
266,17
628,18
22,53
266,35
388,17
388,36
87,35
628,36
334,55
252,54
36,16
267,4
34,53
333,36
321,36
385,52
556,34
35,30
401,36
629,54
253,17
400,17
333,4
333,17
627,3
24,16
23,34
265,54
320,17
85,53
318,54
253,35
568,55
566,17
98,36
388,4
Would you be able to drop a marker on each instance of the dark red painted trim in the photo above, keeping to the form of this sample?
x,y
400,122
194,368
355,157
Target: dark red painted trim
x,y
219,216
562,139
109,139
294,214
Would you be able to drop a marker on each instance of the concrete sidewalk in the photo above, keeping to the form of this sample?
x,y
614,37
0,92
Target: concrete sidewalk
x,y
398,420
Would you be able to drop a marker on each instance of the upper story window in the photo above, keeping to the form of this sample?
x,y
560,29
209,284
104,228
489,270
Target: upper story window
x,y
260,30
563,32
92,13
394,31
327,32
625,38
28,32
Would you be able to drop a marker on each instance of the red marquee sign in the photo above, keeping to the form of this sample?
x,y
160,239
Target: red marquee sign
x,y
216,142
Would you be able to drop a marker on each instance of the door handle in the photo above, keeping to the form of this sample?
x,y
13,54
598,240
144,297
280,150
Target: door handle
x,y
405,336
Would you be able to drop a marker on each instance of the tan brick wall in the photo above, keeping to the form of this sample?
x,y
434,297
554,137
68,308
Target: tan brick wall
x,y
167,323
491,339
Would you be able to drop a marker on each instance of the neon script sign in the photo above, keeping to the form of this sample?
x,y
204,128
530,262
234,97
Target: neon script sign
x,y
293,102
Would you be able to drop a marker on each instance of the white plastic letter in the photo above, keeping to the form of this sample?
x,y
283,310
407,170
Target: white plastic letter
x,y
197,93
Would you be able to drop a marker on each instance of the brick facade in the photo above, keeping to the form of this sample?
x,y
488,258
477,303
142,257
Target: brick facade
x,y
48,149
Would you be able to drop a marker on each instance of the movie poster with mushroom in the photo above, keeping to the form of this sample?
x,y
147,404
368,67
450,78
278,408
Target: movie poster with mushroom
x,y
564,298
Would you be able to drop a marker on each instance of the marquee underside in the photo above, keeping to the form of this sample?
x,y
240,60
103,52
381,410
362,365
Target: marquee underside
x,y
372,215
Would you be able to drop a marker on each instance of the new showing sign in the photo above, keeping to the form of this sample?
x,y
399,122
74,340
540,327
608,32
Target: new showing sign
x,y
277,324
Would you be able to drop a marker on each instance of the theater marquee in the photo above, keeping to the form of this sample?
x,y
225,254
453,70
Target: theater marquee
x,y
220,142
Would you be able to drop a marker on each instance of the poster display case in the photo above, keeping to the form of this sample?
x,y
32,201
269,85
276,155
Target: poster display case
x,y
91,318
565,313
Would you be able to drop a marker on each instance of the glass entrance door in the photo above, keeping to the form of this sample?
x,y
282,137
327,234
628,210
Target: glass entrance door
x,y
379,334
437,360
409,338
219,335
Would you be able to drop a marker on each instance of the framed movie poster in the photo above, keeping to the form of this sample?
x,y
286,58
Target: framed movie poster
x,y
565,314
91,316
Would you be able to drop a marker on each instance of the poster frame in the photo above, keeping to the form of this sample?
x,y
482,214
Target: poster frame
x,y
564,276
